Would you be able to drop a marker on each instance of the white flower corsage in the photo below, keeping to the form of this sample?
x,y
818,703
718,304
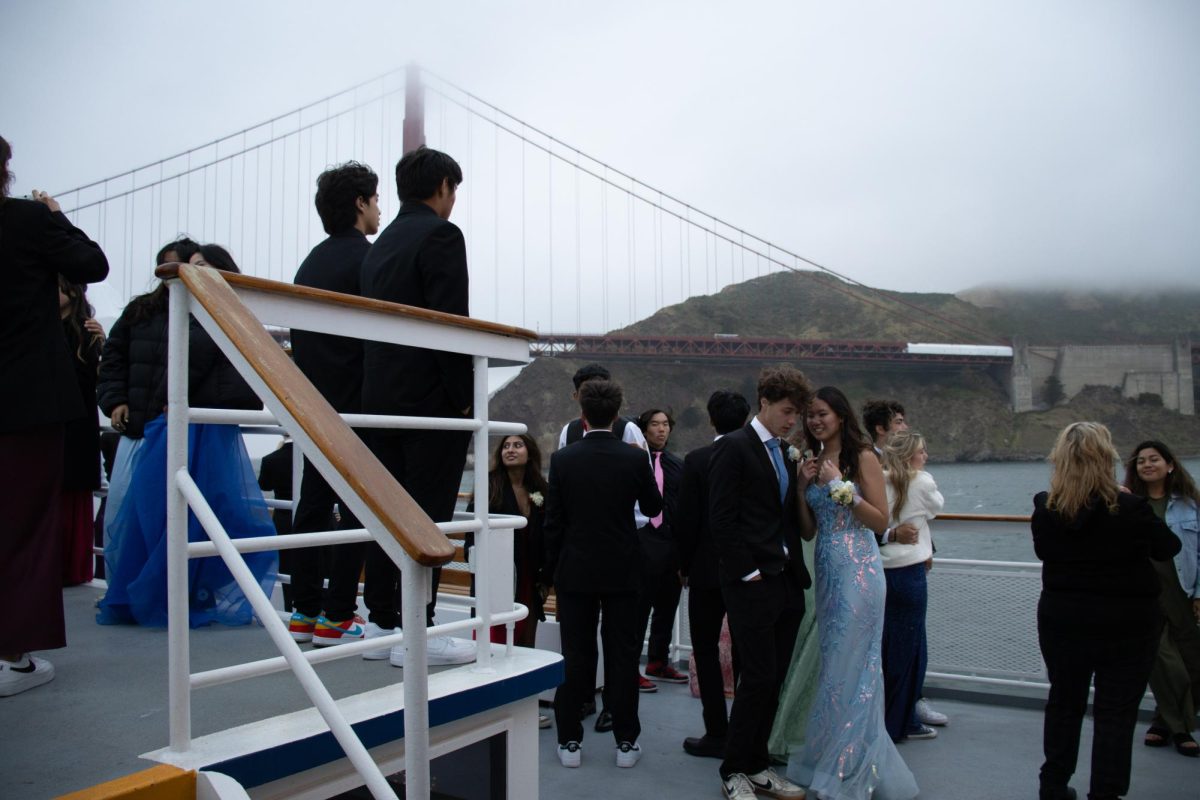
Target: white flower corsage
x,y
842,492
794,453
536,498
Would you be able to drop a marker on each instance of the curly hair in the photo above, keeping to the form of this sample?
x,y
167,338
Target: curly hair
x,y
784,382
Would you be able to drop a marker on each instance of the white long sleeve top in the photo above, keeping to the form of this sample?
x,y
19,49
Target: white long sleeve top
x,y
924,502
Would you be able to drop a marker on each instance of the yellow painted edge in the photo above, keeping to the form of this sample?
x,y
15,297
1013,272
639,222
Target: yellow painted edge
x,y
161,782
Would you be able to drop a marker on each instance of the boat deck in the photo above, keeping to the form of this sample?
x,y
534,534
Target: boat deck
x,y
108,704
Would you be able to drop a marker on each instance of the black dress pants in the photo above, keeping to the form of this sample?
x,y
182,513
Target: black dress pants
x,y
344,563
764,617
578,615
429,465
659,592
1113,640
706,611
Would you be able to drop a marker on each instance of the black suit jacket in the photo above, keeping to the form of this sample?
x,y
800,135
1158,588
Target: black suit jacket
x,y
591,542
697,553
749,523
35,366
419,260
334,364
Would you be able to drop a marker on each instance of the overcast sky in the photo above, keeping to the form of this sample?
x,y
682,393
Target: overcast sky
x,y
925,145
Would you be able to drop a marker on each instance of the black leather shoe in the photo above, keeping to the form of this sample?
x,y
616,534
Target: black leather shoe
x,y
588,709
603,721
704,746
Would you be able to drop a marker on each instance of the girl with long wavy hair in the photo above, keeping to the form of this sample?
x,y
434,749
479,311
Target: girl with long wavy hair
x,y
1153,472
913,498
81,450
1098,614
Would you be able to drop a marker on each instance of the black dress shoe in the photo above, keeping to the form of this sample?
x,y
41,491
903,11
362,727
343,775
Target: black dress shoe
x,y
704,746
588,709
603,721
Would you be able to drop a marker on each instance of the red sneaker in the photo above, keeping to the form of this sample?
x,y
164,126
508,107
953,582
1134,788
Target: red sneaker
x,y
328,632
660,671
645,685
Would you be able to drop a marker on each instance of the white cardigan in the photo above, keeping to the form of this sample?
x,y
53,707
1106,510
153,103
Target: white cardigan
x,y
924,502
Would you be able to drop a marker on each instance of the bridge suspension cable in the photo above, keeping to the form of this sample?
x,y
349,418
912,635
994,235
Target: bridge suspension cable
x,y
591,247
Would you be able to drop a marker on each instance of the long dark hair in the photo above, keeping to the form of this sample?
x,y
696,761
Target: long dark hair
x,y
853,439
145,306
532,480
1178,482
80,312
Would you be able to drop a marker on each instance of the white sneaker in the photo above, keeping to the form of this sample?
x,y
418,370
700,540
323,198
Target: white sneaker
x,y
570,754
738,787
628,754
373,631
439,651
927,715
15,678
772,784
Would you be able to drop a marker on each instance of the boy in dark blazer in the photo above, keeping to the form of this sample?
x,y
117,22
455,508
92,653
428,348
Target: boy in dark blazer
x,y
593,551
419,260
698,564
756,529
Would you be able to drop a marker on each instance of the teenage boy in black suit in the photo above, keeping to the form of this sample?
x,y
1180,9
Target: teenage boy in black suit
x,y
756,528
592,547
347,201
727,411
420,260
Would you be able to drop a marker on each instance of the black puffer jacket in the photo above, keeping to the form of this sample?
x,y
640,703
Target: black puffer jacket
x,y
133,370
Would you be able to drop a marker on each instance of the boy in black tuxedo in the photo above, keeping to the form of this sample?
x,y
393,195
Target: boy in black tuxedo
x,y
756,530
592,547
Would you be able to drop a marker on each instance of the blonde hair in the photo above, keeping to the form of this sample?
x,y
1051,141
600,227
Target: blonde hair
x,y
1083,461
898,452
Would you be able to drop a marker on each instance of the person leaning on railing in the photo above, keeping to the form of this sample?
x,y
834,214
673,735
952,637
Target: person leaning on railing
x,y
1098,613
40,395
1154,473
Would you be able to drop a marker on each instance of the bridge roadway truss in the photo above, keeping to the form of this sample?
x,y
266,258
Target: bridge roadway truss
x,y
630,346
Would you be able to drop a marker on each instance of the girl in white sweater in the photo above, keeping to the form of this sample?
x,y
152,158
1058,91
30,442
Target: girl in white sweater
x,y
912,497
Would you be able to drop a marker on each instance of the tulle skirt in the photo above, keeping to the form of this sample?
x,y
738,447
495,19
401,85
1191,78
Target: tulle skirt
x,y
137,585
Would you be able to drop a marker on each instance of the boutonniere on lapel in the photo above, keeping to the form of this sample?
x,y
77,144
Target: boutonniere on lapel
x,y
536,498
794,453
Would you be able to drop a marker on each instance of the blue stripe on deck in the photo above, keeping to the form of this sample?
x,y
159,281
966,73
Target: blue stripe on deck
x,y
274,763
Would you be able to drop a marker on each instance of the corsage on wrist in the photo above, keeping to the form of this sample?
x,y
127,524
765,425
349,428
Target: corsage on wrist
x,y
842,492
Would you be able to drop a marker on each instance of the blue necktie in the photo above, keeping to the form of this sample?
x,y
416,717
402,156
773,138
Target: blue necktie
x,y
780,469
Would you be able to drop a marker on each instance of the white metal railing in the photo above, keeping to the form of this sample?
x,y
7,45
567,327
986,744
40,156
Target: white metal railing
x,y
493,545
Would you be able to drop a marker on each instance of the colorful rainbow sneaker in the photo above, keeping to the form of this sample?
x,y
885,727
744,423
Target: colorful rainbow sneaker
x,y
301,627
328,632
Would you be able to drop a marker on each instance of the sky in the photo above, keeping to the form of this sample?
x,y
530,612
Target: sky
x,y
933,145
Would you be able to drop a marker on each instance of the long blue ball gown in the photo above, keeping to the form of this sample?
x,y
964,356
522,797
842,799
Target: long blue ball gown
x,y
847,752
220,466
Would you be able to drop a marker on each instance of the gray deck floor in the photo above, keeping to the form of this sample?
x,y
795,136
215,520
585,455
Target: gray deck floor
x,y
108,703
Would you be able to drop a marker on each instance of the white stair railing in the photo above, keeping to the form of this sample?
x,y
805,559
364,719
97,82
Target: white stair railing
x,y
327,313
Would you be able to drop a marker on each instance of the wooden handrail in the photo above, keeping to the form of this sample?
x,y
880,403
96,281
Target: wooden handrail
x,y
392,505
171,270
986,517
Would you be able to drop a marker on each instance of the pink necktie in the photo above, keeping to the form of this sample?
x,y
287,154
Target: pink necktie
x,y
658,478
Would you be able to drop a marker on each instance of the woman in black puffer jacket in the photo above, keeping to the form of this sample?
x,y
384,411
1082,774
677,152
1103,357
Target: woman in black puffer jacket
x,y
216,460
132,387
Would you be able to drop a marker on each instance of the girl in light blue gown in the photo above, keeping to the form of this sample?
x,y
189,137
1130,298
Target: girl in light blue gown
x,y
847,753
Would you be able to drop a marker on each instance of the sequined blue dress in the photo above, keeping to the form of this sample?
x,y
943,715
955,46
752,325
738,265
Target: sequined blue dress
x,y
847,754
